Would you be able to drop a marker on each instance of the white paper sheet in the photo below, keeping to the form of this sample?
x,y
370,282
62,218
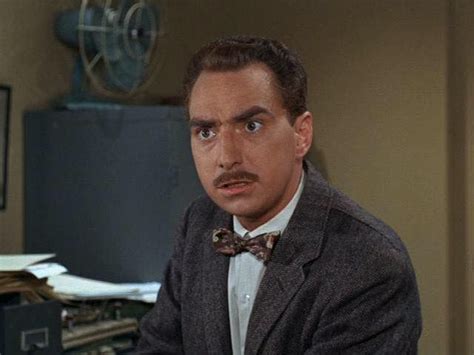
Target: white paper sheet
x,y
77,287
43,270
19,262
147,291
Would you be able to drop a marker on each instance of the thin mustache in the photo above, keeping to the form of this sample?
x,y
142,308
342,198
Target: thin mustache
x,y
235,175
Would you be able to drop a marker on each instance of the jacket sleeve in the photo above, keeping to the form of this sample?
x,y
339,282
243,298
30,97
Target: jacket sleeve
x,y
160,328
375,311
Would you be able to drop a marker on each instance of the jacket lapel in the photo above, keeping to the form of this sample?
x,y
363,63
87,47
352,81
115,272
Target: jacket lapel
x,y
279,285
300,243
215,312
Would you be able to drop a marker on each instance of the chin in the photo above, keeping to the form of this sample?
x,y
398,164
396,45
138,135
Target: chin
x,y
238,211
243,210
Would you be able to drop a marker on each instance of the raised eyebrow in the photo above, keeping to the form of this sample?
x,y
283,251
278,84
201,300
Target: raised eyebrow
x,y
249,113
201,122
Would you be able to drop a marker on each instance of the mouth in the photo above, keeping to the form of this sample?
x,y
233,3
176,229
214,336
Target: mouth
x,y
234,188
233,184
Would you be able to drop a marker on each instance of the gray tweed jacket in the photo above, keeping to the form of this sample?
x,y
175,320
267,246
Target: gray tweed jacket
x,y
339,282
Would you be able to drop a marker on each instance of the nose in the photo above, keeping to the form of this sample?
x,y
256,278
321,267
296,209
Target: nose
x,y
230,153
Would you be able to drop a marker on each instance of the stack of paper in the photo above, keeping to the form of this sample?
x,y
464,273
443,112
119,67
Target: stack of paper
x,y
75,287
80,288
21,274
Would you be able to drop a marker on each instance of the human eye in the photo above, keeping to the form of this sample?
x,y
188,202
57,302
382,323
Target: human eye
x,y
253,126
205,133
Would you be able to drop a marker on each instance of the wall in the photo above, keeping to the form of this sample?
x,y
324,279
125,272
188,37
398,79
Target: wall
x,y
37,67
469,28
378,73
461,173
380,83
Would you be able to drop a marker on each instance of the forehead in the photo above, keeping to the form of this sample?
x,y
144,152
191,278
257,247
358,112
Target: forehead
x,y
225,92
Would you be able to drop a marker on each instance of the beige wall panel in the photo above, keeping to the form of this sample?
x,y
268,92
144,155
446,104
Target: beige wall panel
x,y
470,204
380,108
38,69
468,13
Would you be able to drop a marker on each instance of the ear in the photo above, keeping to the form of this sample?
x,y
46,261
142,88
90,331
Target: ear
x,y
303,133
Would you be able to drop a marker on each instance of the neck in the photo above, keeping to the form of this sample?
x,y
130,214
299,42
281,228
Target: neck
x,y
251,223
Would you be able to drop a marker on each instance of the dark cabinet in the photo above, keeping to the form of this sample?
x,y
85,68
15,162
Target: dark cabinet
x,y
105,189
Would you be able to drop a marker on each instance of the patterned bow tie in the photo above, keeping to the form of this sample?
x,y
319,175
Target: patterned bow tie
x,y
230,243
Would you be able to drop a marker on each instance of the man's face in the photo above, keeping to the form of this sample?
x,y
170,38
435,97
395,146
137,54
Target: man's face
x,y
247,154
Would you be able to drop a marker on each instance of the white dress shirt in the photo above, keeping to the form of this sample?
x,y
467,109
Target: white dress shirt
x,y
246,272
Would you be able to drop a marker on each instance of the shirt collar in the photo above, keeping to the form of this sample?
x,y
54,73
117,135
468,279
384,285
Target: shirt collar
x,y
277,223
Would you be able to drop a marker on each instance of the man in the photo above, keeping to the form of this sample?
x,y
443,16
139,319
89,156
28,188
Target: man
x,y
300,268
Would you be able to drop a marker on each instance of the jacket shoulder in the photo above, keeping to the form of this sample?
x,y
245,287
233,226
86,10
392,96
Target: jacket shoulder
x,y
346,214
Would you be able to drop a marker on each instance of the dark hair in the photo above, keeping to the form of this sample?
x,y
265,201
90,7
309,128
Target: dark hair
x,y
234,53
